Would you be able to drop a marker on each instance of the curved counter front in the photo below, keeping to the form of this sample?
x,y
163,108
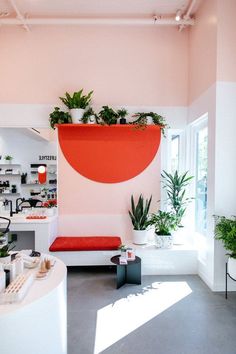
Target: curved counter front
x,y
37,324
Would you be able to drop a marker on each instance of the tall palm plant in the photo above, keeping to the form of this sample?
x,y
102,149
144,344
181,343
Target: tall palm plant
x,y
175,186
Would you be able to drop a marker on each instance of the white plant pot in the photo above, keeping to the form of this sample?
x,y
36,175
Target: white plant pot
x,y
76,115
232,267
5,259
163,241
140,237
92,120
149,120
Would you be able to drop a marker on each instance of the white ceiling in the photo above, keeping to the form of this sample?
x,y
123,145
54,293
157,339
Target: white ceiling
x,y
95,8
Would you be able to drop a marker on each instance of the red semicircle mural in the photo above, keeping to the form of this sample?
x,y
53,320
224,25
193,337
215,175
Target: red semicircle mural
x,y
109,154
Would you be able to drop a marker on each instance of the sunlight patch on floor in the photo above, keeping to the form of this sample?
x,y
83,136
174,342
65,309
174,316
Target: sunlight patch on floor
x,y
118,319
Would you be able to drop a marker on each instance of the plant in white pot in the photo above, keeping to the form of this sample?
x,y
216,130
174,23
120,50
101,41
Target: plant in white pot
x,y
164,223
5,256
225,231
139,215
77,103
8,159
175,186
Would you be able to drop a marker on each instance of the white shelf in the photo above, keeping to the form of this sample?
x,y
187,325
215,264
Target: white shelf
x,y
10,174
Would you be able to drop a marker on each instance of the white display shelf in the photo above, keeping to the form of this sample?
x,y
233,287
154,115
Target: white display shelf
x,y
9,164
10,174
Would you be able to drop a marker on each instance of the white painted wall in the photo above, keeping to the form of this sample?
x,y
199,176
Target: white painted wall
x,y
225,169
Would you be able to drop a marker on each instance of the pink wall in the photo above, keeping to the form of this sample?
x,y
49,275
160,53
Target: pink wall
x,y
226,53
123,65
203,50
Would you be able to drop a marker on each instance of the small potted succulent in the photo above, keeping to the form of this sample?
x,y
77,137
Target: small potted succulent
x,y
123,249
8,159
14,188
5,256
59,117
225,231
77,103
164,223
139,215
89,117
122,113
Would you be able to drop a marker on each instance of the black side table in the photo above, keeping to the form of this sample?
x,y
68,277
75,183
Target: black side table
x,y
127,273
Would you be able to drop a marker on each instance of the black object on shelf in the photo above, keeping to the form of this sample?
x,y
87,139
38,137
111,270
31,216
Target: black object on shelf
x,y
122,121
36,165
7,272
226,280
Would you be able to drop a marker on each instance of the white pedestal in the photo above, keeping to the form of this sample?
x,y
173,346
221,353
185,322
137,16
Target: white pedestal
x,y
38,324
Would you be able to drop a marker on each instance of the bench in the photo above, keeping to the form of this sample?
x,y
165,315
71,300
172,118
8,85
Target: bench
x,y
86,250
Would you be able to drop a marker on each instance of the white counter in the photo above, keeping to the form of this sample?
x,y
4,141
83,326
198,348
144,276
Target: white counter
x,y
38,324
45,229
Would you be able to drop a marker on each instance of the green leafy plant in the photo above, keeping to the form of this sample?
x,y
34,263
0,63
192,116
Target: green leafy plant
x,y
108,115
225,231
164,222
139,213
59,117
157,119
89,113
123,248
122,113
175,186
77,99
8,158
4,251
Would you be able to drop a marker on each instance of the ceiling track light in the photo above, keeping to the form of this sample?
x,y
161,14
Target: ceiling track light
x,y
178,15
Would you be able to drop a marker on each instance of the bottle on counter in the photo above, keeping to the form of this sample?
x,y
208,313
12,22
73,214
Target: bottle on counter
x,y
2,278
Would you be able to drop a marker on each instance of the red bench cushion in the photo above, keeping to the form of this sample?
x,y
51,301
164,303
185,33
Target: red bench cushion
x,y
85,243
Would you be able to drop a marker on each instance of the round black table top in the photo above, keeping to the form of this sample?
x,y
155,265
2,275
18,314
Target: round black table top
x,y
116,261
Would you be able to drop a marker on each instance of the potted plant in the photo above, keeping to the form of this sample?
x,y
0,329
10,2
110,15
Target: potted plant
x,y
8,158
5,256
59,117
164,223
225,231
122,113
108,115
143,119
89,117
123,249
77,103
175,185
139,215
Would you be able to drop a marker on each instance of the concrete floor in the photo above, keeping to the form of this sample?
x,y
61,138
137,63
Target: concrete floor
x,y
164,315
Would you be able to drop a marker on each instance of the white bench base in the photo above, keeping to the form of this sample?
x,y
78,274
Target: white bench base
x,y
177,260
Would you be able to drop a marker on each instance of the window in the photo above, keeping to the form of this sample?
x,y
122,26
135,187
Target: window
x,y
174,153
201,144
